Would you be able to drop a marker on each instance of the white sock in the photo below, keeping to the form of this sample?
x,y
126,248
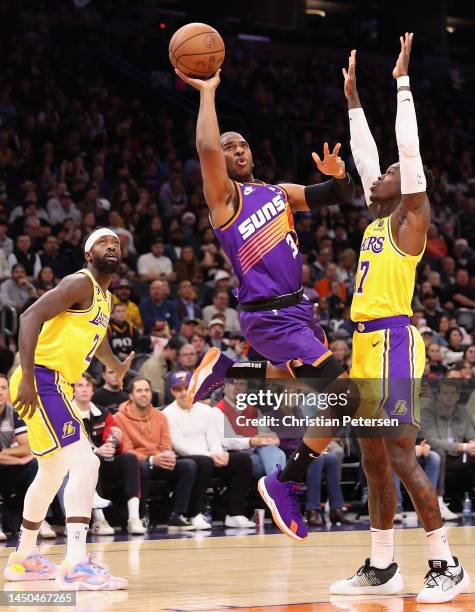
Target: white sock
x,y
440,499
439,546
27,542
133,507
76,546
382,547
98,514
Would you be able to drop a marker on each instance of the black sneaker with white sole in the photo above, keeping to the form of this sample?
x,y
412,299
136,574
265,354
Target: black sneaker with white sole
x,y
178,521
443,582
370,580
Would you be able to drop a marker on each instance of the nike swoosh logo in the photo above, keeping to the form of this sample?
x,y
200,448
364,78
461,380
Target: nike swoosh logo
x,y
406,100
376,343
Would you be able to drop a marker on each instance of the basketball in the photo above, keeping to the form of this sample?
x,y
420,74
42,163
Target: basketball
x,y
197,50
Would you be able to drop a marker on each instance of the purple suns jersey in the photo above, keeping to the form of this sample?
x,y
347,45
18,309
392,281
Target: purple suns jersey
x,y
261,243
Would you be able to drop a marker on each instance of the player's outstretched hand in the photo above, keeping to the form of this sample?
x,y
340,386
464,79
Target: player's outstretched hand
x,y
201,84
124,367
332,164
402,64
350,77
26,400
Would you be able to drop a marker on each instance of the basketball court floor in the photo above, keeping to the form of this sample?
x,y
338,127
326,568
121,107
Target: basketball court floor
x,y
254,571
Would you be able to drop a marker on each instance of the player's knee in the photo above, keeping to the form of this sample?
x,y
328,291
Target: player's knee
x,y
321,375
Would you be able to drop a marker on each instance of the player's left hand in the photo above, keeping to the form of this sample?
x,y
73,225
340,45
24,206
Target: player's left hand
x,y
332,164
402,64
122,368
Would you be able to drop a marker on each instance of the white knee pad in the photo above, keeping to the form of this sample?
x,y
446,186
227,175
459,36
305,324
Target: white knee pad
x,y
41,492
83,474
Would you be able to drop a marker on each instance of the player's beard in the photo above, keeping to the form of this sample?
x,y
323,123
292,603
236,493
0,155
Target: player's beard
x,y
108,267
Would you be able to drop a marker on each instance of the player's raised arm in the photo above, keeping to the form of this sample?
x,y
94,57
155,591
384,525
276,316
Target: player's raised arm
x,y
217,186
72,290
363,146
413,215
338,190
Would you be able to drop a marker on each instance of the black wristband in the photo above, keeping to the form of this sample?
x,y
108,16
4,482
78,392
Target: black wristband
x,y
329,193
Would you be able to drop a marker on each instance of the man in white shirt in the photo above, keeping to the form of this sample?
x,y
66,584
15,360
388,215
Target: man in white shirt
x,y
62,207
263,448
220,305
155,265
195,435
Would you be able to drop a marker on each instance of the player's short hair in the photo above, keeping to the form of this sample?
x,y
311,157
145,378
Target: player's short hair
x,y
135,379
430,180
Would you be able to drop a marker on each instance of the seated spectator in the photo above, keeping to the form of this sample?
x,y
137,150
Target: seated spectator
x,y
436,369
220,282
123,336
264,450
449,428
157,307
157,367
330,461
146,434
187,266
25,254
155,265
6,243
188,327
17,465
469,356
461,294
186,305
17,290
432,312
52,257
110,395
220,305
62,207
122,291
442,329
308,284
216,337
194,435
324,286
336,301
114,466
342,353
430,462
46,280
454,350
198,340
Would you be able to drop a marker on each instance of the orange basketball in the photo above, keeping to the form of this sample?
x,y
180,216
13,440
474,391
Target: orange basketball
x,y
197,50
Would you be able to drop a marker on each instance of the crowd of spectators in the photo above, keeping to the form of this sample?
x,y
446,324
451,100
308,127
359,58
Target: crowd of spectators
x,y
77,151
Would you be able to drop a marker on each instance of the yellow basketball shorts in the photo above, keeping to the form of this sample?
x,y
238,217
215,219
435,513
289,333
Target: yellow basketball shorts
x,y
56,422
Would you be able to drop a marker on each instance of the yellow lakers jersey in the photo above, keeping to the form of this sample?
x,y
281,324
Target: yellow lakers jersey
x,y
385,276
67,342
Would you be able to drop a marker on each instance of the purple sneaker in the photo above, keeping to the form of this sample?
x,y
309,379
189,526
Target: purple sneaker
x,y
209,375
282,500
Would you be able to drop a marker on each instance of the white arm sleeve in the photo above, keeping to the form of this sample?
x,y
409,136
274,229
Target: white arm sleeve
x,y
413,179
364,150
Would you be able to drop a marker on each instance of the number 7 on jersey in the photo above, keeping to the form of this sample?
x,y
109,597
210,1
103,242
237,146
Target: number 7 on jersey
x,y
364,267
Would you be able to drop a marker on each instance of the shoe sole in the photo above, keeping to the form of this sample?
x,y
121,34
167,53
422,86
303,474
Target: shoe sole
x,y
13,577
85,586
261,487
461,586
382,589
202,372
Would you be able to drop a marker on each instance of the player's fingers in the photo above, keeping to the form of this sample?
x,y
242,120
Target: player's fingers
x,y
316,158
345,74
336,149
326,152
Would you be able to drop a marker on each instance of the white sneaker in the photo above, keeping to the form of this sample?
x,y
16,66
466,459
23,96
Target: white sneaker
x,y
199,522
443,582
46,532
238,521
3,536
135,526
99,503
446,513
87,575
370,580
102,527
